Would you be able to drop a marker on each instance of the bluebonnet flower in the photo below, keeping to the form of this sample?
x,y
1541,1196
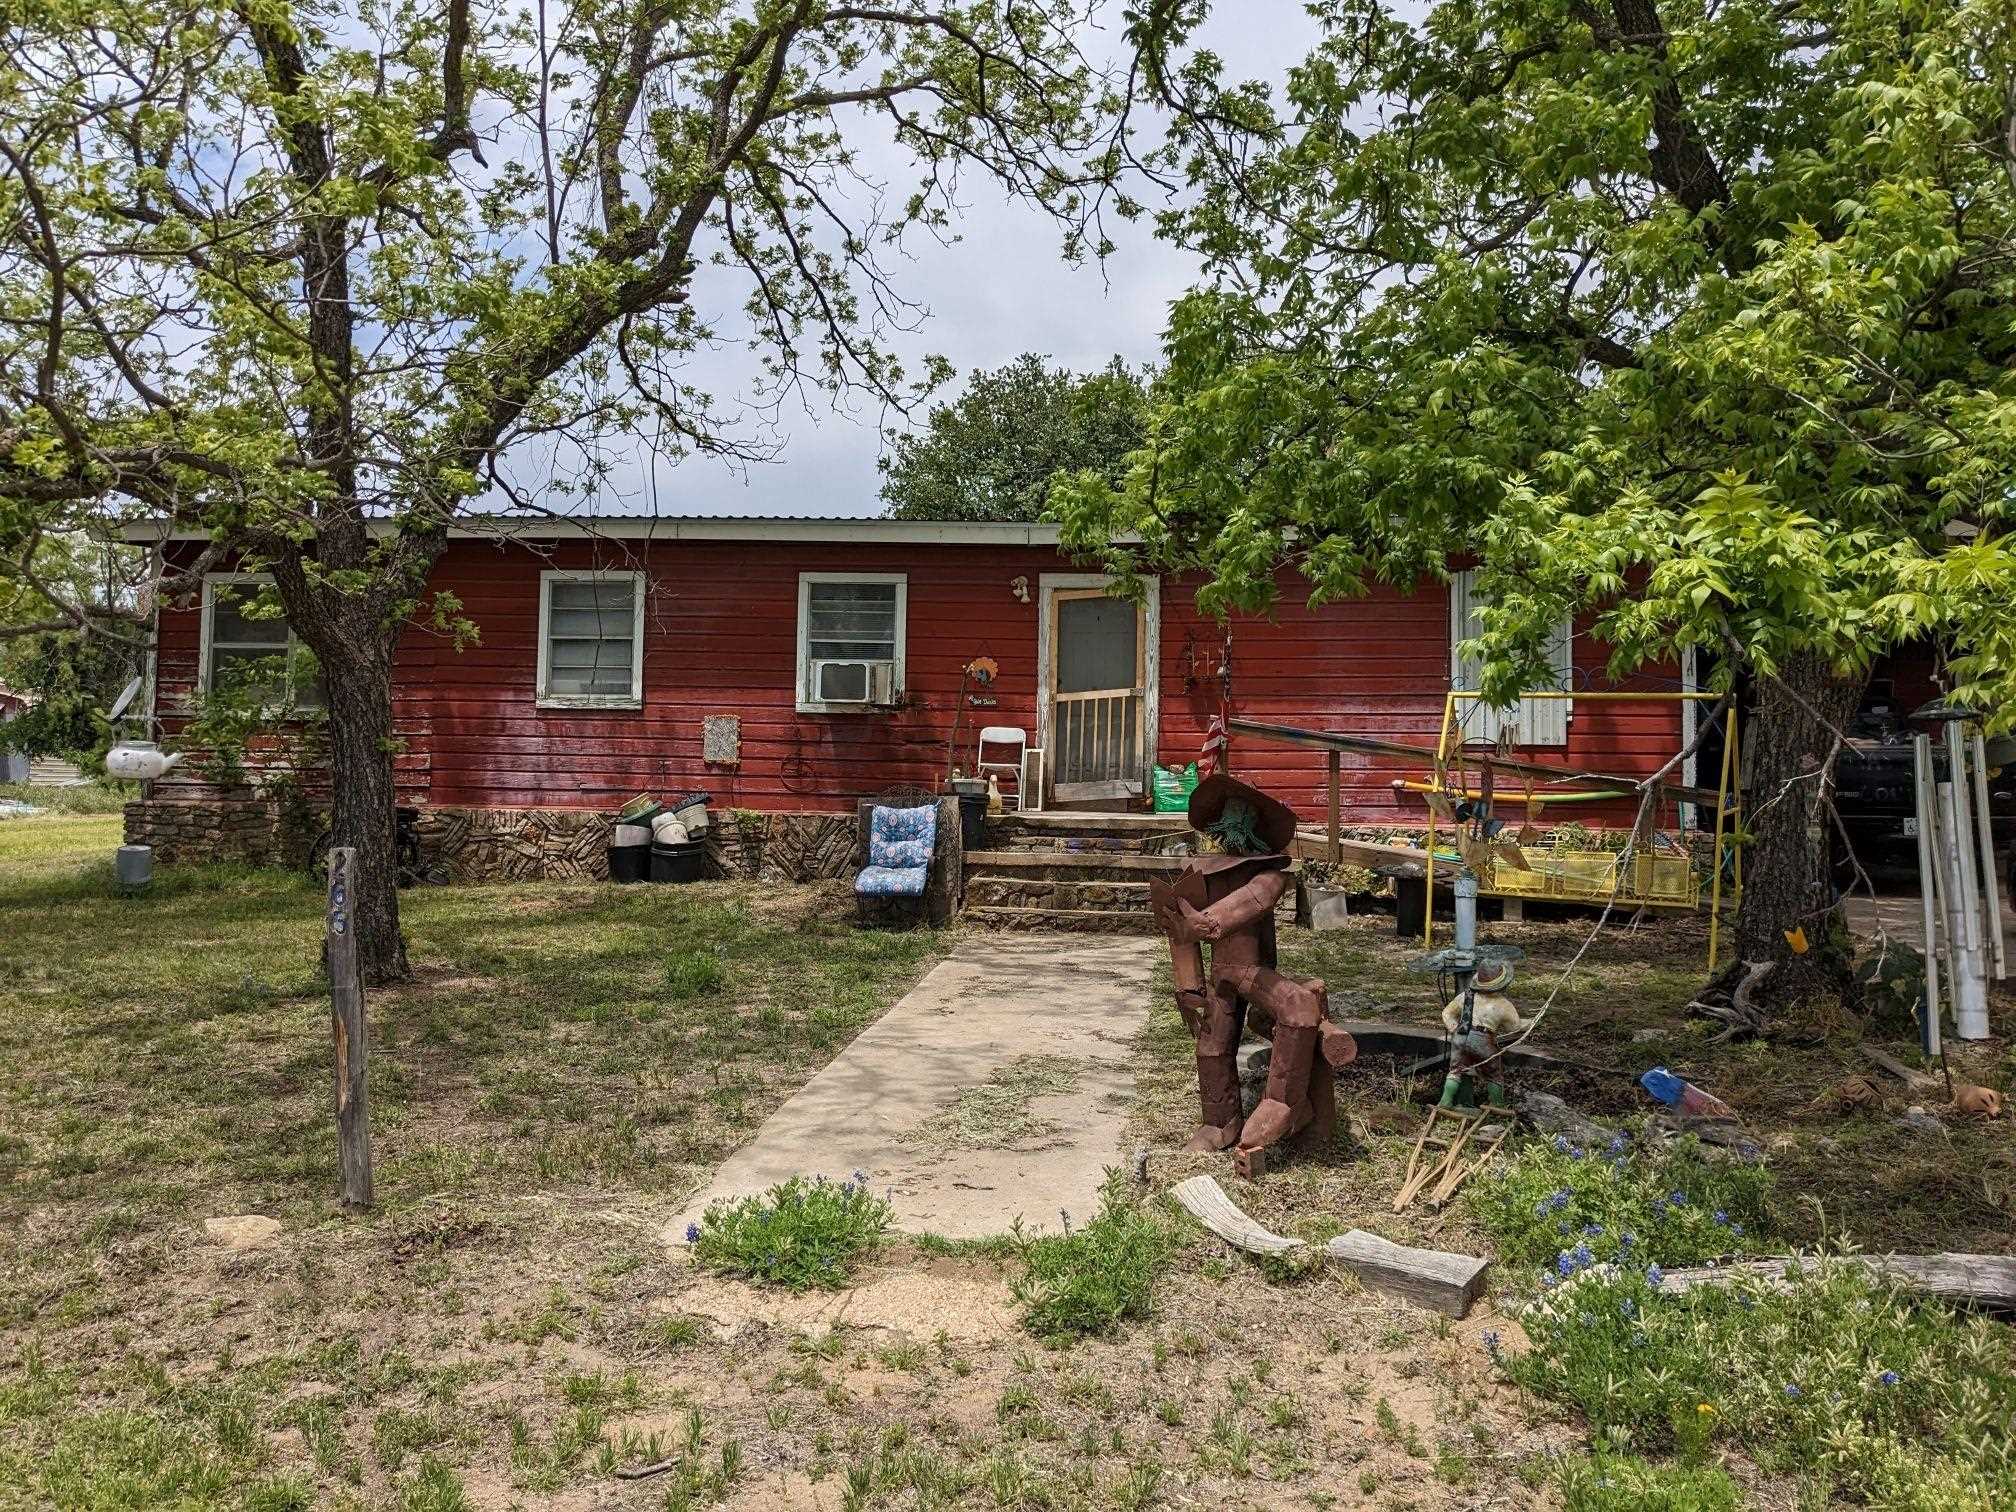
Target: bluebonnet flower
x,y
1678,1199
1619,1144
1654,1276
1626,1239
1587,1320
1628,1307
846,1189
1593,1229
1637,1340
860,1178
1792,1391
1565,1264
1889,1378
692,1233
1736,1229
1564,1227
1721,1217
1658,1207
1562,1145
1582,1255
1546,1279
1491,1342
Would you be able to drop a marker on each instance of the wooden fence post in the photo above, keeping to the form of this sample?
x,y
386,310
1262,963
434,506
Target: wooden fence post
x,y
346,1004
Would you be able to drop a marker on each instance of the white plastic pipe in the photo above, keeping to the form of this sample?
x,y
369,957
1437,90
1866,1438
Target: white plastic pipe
x,y
1928,886
1996,961
1970,990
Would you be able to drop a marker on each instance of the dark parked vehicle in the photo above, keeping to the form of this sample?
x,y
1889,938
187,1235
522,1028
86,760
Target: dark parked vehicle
x,y
1873,790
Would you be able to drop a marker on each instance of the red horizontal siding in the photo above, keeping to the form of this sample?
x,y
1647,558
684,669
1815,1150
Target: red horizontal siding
x,y
721,638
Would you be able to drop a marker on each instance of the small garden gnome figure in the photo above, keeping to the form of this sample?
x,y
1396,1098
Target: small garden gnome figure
x,y
1475,1018
1228,900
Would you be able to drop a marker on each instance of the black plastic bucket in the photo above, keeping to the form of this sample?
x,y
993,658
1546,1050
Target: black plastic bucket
x,y
630,863
679,863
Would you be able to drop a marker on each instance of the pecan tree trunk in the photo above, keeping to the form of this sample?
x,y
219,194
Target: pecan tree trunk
x,y
1789,756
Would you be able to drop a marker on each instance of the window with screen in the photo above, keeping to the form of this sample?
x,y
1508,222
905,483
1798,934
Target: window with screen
x,y
247,649
591,639
850,640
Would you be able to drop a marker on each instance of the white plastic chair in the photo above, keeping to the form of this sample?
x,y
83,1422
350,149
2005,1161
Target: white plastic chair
x,y
1012,737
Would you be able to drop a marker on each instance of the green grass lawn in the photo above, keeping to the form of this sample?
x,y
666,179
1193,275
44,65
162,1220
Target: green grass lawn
x,y
166,1057
507,1327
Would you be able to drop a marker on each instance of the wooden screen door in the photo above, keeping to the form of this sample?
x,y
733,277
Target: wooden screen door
x,y
1098,693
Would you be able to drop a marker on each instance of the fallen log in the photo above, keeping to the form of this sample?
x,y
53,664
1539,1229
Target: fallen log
x,y
1447,1283
1977,1280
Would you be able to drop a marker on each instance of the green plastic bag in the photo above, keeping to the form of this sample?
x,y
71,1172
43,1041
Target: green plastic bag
x,y
1173,788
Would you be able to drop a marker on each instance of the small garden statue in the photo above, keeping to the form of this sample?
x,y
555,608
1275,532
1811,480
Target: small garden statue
x,y
1475,1018
1228,899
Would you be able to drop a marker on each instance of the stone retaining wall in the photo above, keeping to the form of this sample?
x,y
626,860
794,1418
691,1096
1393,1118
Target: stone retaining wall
x,y
493,845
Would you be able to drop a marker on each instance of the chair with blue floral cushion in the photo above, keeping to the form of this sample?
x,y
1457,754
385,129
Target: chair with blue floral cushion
x,y
900,845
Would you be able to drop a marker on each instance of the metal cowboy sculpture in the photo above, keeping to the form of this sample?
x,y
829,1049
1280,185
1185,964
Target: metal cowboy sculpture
x,y
1228,899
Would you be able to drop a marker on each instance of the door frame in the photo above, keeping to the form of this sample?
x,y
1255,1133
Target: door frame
x,y
1048,586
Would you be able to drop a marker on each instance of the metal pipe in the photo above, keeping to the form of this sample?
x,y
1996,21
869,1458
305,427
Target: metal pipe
x,y
1721,812
1962,799
1991,897
1928,887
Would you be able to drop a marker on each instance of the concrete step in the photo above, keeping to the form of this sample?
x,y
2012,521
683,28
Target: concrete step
x,y
1076,920
1123,834
1117,865
1073,893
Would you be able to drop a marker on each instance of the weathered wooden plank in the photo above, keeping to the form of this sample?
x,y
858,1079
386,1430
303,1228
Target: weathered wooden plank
x,y
1979,1280
1437,1279
346,1015
1206,1201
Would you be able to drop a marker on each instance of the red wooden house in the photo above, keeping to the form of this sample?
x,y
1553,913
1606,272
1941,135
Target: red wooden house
x,y
791,666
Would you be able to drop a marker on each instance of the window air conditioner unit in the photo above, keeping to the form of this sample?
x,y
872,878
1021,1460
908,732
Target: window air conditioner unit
x,y
854,682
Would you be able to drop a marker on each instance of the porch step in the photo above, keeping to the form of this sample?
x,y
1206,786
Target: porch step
x,y
1072,893
1135,834
1075,920
1046,863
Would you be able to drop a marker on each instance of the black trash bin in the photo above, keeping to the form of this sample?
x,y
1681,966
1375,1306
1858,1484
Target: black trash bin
x,y
630,863
679,863
973,821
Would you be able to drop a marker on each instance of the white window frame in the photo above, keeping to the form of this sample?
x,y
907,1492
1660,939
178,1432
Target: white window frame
x,y
205,631
807,704
1477,720
544,697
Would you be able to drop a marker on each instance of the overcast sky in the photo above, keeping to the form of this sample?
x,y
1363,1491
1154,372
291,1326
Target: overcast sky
x,y
1002,289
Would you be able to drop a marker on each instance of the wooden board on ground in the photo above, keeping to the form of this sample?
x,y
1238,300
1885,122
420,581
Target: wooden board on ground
x,y
1437,1279
1447,1283
1981,1280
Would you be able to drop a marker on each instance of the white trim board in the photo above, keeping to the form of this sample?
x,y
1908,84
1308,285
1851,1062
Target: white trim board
x,y
875,532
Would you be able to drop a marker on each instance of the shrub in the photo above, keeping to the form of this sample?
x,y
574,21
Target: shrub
x,y
798,1235
1836,1375
1624,1483
1088,1281
1671,1205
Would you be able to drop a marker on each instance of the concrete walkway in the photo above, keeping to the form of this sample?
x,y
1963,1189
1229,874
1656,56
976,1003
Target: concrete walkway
x,y
1901,916
997,1088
